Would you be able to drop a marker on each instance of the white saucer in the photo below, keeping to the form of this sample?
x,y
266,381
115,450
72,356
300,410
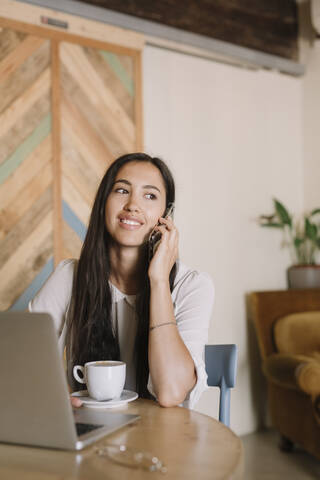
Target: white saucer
x,y
126,397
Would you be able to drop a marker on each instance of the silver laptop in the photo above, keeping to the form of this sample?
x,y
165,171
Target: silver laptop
x,y
35,406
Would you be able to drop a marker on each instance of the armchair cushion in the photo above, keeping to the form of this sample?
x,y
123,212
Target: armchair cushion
x,y
299,372
298,333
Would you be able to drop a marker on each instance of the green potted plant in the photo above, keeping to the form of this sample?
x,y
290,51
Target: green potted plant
x,y
302,237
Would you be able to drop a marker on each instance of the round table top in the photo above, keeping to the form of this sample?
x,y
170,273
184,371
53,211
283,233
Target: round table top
x,y
191,445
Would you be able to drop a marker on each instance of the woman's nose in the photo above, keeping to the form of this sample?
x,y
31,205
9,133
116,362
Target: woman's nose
x,y
132,205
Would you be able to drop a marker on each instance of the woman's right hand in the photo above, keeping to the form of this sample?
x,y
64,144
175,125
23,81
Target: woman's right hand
x,y
167,251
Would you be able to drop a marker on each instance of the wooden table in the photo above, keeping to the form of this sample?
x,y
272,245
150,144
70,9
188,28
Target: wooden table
x,y
191,445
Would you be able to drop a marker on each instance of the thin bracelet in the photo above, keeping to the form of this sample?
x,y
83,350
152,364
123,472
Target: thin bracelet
x,y
162,324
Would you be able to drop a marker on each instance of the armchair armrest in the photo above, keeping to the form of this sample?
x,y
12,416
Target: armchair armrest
x,y
298,372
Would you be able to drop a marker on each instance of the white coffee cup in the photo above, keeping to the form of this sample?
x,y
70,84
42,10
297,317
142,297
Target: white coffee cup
x,y
104,379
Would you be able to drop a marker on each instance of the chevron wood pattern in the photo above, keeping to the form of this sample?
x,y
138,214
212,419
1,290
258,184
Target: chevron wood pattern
x,y
25,163
67,110
97,114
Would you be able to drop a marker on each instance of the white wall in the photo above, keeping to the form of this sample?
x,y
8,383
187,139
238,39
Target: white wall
x,y
233,139
311,127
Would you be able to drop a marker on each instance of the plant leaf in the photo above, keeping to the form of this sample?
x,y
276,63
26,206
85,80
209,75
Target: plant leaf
x,y
315,211
272,224
283,213
298,241
311,230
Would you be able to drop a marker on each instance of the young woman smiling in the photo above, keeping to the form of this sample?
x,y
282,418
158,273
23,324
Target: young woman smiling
x,y
117,303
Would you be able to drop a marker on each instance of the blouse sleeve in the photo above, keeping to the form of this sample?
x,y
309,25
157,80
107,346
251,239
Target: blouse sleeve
x,y
193,303
54,296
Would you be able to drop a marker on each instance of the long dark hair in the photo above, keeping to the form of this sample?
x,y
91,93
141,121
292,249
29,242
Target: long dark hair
x,y
91,335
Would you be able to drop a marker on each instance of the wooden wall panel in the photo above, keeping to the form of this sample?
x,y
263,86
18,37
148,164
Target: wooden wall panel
x,y
25,163
68,106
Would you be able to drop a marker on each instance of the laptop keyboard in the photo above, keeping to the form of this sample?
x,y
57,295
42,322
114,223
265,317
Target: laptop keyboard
x,y
83,428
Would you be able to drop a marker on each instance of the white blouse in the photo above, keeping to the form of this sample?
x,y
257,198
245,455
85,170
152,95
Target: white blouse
x,y
192,296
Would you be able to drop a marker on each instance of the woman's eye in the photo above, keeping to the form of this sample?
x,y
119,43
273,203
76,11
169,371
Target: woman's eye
x,y
150,196
121,190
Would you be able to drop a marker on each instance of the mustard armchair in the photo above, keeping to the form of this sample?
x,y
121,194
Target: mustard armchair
x,y
287,324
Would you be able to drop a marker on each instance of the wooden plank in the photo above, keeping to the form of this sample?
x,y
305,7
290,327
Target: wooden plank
x,y
25,148
30,168
19,107
138,102
23,127
74,222
120,72
56,152
71,241
24,76
23,259
10,215
75,200
77,64
82,103
24,227
53,34
78,171
21,302
82,31
10,267
9,40
16,58
84,138
99,95
127,63
27,272
109,77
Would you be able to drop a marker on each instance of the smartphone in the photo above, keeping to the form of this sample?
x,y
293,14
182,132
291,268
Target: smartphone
x,y
155,236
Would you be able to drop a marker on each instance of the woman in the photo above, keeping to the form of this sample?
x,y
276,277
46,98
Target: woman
x,y
118,302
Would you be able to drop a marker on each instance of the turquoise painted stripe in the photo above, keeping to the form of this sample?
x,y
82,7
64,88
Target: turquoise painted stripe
x,y
33,288
25,148
119,70
73,221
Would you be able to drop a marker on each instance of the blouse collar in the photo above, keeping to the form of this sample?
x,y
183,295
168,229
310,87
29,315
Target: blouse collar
x,y
118,296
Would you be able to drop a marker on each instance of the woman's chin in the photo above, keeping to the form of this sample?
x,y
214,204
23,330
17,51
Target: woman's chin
x,y
132,243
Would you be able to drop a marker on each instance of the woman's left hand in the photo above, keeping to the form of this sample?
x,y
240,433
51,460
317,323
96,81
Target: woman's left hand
x,y
166,253
75,402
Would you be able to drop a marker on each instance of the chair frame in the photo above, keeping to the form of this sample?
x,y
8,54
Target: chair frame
x,y
221,367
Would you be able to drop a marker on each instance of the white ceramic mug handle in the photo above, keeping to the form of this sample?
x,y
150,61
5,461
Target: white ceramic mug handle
x,y
75,370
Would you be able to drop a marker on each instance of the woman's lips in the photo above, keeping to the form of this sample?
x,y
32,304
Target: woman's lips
x,y
129,223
